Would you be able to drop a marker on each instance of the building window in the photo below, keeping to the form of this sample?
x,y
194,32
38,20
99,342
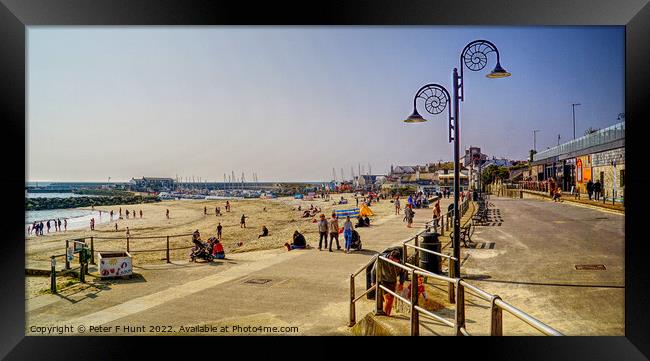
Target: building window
x,y
622,178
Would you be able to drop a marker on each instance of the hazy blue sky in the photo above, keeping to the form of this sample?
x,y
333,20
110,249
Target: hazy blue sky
x,y
291,103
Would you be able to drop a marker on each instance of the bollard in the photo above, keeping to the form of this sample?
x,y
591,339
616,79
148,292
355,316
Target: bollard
x,y
53,275
168,249
92,251
496,320
67,262
415,317
127,244
379,297
460,308
353,314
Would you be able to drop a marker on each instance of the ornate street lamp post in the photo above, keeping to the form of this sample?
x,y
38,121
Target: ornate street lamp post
x,y
474,56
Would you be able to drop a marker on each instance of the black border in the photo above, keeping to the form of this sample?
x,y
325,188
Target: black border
x,y
15,15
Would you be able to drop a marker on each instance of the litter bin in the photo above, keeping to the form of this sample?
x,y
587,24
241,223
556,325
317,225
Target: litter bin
x,y
428,261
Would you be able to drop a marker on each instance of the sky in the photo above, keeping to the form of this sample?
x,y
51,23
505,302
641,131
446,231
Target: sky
x,y
291,103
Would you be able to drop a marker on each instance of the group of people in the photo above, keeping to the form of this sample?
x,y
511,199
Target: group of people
x,y
38,227
331,228
594,189
212,246
311,212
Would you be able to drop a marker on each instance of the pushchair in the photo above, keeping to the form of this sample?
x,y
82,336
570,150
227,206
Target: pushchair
x,y
356,241
201,251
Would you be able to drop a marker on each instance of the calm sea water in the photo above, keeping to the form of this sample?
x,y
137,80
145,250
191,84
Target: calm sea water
x,y
77,218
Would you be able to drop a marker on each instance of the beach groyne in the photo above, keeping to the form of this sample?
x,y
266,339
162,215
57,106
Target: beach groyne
x,y
36,204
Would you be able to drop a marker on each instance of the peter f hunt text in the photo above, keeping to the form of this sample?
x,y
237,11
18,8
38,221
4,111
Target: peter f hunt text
x,y
100,329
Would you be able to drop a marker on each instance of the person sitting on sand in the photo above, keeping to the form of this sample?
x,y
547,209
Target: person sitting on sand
x,y
298,242
360,222
217,249
366,220
196,239
306,214
265,232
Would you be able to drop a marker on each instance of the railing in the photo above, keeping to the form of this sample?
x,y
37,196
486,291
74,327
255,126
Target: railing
x,y
455,291
127,240
496,304
602,136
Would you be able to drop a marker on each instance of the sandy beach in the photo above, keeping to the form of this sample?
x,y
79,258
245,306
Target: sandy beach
x,y
281,218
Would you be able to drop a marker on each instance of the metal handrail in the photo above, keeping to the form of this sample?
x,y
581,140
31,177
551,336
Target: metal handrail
x,y
431,252
535,323
434,316
459,324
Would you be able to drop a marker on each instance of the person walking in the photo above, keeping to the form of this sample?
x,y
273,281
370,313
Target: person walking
x,y
141,214
242,222
167,213
597,190
41,227
398,207
127,214
409,215
219,228
120,212
216,211
48,226
205,210
590,188
322,232
128,232
347,233
334,231
59,222
436,216
65,224
111,214
227,206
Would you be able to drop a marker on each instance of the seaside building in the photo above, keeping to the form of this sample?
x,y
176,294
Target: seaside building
x,y
151,184
596,156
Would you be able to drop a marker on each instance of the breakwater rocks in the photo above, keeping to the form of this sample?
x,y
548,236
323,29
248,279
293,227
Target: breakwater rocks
x,y
35,204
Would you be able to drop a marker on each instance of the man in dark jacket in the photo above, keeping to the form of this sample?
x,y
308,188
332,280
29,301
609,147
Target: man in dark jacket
x,y
590,188
597,189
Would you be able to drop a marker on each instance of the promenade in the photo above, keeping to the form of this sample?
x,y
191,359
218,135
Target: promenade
x,y
307,289
526,253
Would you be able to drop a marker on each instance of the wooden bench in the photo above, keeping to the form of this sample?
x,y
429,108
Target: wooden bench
x,y
465,234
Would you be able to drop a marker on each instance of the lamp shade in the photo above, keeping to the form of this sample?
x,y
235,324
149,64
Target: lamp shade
x,y
415,118
498,72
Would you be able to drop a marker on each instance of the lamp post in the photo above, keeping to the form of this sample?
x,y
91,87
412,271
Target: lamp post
x,y
573,107
474,57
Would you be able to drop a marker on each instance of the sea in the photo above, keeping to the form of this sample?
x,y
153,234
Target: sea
x,y
77,218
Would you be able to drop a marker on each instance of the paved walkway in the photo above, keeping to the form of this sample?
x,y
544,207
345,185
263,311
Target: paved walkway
x,y
528,253
307,289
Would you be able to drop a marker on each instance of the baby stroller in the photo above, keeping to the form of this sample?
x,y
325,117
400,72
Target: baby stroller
x,y
356,241
201,251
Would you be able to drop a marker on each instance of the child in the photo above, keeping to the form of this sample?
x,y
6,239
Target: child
x,y
217,250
